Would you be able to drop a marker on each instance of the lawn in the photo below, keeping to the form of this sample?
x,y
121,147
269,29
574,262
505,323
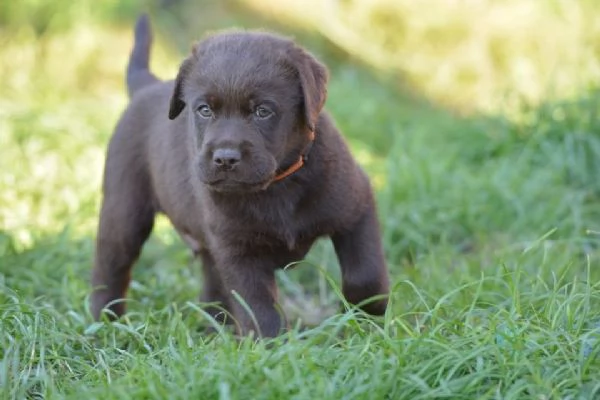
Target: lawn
x,y
479,126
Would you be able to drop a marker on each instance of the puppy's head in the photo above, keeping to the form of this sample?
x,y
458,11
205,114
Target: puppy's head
x,y
251,100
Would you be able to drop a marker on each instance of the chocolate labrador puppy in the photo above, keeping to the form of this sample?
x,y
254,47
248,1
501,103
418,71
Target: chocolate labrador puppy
x,y
240,156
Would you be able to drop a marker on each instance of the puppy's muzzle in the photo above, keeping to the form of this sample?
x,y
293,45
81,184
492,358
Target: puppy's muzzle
x,y
231,166
226,159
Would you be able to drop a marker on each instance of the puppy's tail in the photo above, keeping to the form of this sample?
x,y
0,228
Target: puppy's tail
x,y
138,69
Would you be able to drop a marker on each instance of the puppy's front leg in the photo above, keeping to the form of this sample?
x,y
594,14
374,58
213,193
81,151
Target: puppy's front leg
x,y
360,254
254,281
213,291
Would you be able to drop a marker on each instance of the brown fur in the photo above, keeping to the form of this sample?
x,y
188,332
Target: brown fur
x,y
199,150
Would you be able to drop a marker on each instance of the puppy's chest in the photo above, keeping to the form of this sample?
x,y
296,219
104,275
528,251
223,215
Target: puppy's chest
x,y
279,222
269,224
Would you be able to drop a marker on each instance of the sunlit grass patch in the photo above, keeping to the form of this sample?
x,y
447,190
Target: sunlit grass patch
x,y
61,96
482,55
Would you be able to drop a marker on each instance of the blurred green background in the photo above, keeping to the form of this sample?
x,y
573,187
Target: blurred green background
x,y
441,67
477,121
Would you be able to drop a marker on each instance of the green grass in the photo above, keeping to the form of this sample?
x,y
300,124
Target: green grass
x,y
491,226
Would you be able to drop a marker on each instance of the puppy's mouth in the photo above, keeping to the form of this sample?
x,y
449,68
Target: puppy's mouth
x,y
233,186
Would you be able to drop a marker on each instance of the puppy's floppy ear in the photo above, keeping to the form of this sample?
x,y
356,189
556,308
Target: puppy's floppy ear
x,y
313,79
177,104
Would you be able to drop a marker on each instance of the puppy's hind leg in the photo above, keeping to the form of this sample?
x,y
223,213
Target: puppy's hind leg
x,y
126,220
360,253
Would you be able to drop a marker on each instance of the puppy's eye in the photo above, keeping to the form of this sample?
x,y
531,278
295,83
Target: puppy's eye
x,y
204,111
262,112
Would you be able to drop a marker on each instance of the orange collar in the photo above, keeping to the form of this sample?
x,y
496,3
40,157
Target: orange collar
x,y
293,168
298,164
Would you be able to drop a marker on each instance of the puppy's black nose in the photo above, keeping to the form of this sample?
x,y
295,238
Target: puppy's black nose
x,y
226,159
